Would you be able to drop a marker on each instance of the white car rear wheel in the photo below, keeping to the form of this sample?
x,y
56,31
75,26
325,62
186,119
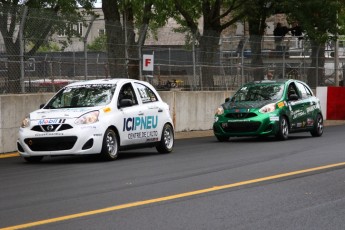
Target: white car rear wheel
x,y
110,146
166,143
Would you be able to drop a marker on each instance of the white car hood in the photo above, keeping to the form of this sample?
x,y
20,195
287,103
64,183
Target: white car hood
x,y
60,113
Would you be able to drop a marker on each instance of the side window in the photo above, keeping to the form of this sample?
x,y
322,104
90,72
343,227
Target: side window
x,y
309,92
146,94
304,91
127,92
292,90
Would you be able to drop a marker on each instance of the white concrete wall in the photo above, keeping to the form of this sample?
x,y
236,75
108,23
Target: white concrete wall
x,y
189,110
13,108
193,110
321,93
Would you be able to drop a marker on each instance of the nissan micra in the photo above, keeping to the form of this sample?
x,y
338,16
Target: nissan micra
x,y
269,108
97,116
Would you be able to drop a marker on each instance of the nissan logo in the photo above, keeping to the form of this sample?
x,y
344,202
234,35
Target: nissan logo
x,y
50,128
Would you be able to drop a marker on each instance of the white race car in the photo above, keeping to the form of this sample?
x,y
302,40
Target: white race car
x,y
97,116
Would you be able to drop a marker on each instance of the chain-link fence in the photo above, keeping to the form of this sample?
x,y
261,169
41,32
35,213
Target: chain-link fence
x,y
72,51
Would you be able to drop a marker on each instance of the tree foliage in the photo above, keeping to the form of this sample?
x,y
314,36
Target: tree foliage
x,y
40,20
99,44
124,22
317,17
320,22
257,11
216,16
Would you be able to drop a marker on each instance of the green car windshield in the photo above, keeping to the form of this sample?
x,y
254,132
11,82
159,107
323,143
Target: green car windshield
x,y
259,92
82,96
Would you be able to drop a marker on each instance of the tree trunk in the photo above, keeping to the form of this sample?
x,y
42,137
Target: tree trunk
x,y
256,58
115,40
133,57
209,49
256,30
316,74
14,67
132,48
13,74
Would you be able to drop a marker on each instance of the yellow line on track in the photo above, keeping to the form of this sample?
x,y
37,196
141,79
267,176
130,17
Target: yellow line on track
x,y
7,155
172,197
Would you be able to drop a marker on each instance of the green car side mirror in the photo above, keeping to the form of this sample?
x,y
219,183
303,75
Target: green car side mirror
x,y
293,97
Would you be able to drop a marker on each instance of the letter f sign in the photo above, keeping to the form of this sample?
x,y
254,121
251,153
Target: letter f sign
x,y
147,62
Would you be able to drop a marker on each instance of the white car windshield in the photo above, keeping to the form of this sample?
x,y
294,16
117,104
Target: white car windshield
x,y
82,96
259,92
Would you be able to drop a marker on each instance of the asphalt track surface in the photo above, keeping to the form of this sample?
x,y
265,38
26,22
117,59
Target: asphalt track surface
x,y
247,183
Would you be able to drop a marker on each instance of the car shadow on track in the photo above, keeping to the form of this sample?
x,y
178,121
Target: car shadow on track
x,y
263,139
93,158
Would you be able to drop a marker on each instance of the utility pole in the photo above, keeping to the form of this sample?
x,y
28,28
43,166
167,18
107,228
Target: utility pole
x,y
22,47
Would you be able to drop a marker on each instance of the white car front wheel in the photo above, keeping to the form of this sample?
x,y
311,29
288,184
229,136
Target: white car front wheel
x,y
34,159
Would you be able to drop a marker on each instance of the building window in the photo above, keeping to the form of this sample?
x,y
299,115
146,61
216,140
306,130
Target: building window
x,y
75,29
62,33
101,32
79,28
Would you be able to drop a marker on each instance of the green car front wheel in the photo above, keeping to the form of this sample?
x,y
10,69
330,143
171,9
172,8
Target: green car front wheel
x,y
222,138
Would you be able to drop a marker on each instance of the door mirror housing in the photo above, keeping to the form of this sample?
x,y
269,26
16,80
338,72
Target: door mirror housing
x,y
227,99
126,103
293,97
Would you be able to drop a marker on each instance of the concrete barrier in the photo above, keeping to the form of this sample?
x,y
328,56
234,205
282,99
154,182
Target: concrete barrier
x,y
193,110
13,108
189,110
332,102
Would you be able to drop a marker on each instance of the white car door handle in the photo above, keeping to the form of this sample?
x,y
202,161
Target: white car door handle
x,y
140,113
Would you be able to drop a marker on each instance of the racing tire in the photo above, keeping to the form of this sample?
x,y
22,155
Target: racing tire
x,y
110,147
283,129
34,159
318,127
222,138
166,144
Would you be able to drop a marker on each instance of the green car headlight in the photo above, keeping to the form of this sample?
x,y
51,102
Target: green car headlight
x,y
268,108
219,110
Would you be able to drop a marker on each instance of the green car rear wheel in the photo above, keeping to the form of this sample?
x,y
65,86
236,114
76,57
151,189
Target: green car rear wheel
x,y
318,127
283,131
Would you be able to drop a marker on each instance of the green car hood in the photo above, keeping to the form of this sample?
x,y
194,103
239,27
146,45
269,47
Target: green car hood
x,y
246,104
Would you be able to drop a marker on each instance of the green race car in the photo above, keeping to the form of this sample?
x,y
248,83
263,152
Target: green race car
x,y
269,108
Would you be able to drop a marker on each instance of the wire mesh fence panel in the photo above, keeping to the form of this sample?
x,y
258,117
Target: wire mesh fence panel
x,y
45,62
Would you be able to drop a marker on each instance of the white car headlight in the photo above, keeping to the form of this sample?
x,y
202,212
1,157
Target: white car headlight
x,y
88,118
219,110
25,122
268,108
